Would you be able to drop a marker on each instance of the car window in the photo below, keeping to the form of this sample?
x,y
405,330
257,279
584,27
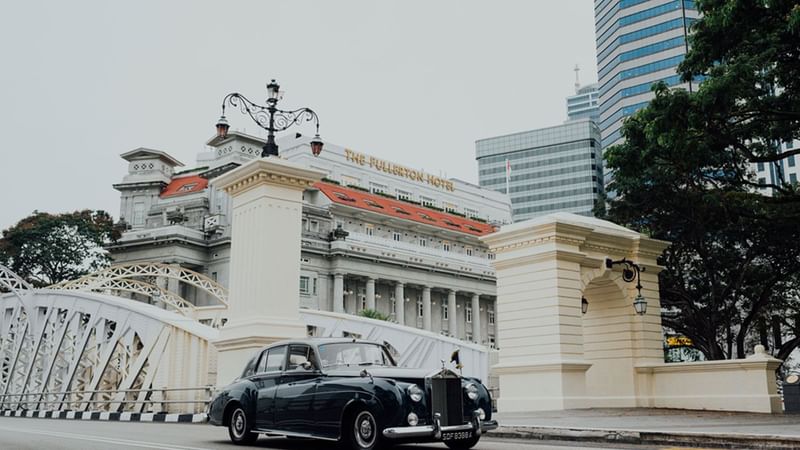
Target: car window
x,y
354,354
262,362
275,359
298,354
250,368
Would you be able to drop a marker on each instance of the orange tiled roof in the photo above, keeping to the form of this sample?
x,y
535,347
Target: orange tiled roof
x,y
402,210
184,185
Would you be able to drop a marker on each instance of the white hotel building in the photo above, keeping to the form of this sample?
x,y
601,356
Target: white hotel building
x,y
412,249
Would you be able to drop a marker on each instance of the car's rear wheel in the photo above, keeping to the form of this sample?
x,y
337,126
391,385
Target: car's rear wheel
x,y
463,444
361,431
239,428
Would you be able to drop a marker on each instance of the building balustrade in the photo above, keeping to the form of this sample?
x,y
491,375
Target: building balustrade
x,y
388,248
161,233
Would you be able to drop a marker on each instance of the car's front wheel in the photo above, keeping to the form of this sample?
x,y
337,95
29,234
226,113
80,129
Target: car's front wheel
x,y
239,428
361,431
464,444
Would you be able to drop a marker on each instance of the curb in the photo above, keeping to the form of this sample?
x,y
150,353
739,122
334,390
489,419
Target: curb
x,y
716,440
108,416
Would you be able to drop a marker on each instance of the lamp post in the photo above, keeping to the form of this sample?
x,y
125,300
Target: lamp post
x,y
270,118
630,272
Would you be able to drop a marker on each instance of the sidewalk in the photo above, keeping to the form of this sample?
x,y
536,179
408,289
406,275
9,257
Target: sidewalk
x,y
656,426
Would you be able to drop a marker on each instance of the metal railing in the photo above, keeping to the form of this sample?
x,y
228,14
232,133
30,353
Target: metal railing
x,y
163,400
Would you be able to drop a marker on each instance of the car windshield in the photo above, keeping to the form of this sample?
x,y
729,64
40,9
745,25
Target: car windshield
x,y
354,354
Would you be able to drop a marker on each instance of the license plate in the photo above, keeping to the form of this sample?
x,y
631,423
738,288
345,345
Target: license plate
x,y
456,435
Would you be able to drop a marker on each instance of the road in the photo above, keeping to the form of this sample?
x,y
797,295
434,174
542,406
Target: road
x,y
53,434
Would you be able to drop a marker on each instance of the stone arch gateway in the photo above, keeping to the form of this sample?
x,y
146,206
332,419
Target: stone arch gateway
x,y
555,357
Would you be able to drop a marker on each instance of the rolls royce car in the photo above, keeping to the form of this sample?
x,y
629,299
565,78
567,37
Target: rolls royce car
x,y
350,391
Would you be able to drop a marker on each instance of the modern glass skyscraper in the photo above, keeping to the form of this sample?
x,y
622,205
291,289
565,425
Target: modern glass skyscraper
x,y
583,105
639,42
547,170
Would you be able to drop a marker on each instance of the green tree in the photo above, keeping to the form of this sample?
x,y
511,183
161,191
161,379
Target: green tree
x,y
684,175
49,248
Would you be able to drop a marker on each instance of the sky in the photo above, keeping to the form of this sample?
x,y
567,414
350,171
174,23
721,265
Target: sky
x,y
415,82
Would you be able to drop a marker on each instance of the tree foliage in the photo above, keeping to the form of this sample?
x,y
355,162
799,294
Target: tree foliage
x,y
49,248
685,175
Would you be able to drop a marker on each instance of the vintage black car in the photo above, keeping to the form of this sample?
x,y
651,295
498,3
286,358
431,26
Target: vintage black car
x,y
350,391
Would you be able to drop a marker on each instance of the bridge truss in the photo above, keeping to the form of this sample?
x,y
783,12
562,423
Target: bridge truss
x,y
74,348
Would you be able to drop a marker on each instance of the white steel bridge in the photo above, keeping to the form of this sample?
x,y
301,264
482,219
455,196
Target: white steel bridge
x,y
81,346
77,347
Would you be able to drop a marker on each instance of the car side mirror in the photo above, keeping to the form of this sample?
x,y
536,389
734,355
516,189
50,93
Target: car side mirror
x,y
306,365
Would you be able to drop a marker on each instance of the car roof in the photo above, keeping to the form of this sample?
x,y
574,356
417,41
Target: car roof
x,y
319,340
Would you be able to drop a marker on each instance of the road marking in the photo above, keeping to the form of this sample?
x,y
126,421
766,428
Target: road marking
x,y
105,440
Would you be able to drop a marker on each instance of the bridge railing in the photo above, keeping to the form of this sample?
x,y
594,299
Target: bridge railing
x,y
166,400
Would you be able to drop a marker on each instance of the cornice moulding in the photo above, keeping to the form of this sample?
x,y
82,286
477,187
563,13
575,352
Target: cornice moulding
x,y
271,170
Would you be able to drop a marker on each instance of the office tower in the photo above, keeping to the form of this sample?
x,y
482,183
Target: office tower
x,y
639,42
583,105
554,169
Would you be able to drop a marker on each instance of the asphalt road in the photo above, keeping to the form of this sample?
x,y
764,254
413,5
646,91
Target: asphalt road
x,y
53,434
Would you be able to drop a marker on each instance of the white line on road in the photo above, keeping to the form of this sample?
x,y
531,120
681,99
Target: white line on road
x,y
105,440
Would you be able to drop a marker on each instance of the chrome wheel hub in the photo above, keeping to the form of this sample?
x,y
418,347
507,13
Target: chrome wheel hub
x,y
365,429
238,422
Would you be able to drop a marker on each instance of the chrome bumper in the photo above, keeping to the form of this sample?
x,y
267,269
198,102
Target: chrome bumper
x,y
435,431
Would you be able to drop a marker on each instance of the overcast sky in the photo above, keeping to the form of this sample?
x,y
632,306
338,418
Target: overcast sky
x,y
414,82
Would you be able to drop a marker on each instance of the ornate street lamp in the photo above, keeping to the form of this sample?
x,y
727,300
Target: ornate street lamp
x,y
270,118
631,272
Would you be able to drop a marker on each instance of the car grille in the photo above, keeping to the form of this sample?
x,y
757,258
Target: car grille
x,y
447,400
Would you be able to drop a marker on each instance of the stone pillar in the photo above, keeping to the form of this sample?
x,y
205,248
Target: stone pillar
x,y
426,307
452,313
371,293
476,318
400,303
338,293
267,197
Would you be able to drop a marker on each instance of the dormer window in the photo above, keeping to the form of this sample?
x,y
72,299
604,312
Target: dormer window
x,y
344,197
451,223
373,203
188,187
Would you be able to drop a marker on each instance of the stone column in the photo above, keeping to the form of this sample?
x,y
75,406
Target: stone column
x,y
452,313
476,318
426,307
267,197
371,293
338,293
400,303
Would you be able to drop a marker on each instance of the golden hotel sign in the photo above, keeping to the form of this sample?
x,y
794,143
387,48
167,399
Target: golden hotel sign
x,y
396,169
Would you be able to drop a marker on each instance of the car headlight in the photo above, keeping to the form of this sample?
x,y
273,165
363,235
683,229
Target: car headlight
x,y
472,391
415,393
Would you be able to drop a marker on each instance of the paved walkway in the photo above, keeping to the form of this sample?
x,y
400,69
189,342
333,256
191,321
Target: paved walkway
x,y
656,426
660,420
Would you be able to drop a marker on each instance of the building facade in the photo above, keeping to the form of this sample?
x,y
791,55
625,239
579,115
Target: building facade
x,y
584,104
555,169
786,170
375,235
639,43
